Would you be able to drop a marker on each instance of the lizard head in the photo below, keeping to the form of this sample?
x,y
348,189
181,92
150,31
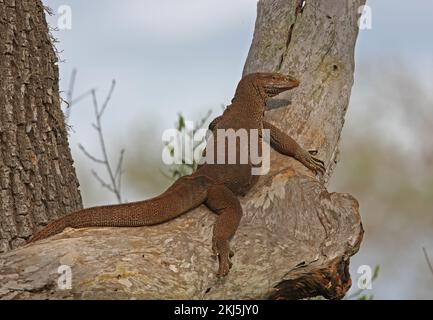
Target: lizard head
x,y
261,86
272,84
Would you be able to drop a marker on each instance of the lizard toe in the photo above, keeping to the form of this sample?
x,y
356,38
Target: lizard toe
x,y
223,250
223,269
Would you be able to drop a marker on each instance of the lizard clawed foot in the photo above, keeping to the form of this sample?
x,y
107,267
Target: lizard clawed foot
x,y
313,163
221,249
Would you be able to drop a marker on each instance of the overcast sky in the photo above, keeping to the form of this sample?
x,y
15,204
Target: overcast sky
x,y
169,56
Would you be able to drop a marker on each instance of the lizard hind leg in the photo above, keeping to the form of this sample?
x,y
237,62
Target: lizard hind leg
x,y
223,202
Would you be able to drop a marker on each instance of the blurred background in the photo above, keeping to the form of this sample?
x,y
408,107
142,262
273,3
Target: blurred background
x,y
187,56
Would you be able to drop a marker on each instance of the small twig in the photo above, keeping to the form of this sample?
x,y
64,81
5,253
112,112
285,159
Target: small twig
x,y
108,98
115,177
81,97
102,181
119,171
88,155
202,121
69,94
48,10
428,260
70,100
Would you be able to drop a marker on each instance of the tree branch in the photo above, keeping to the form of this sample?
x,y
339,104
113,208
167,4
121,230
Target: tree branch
x,y
427,260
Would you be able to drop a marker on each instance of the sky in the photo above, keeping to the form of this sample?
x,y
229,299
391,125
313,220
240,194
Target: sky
x,y
187,56
170,56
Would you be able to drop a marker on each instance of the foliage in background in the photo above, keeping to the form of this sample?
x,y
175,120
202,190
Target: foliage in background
x,y
176,171
360,294
386,163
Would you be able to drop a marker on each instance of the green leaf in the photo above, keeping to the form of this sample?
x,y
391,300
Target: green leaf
x,y
376,272
180,122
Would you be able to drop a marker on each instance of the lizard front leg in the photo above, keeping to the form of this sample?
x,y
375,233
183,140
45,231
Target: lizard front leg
x,y
284,144
223,202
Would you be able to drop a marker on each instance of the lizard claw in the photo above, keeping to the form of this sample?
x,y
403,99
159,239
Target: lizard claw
x,y
313,163
224,253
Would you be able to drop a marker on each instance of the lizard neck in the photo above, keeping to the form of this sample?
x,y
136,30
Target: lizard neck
x,y
250,99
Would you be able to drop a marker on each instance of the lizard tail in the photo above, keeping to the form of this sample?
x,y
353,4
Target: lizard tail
x,y
185,194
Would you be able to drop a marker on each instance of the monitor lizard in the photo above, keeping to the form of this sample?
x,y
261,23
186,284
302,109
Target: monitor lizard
x,y
215,185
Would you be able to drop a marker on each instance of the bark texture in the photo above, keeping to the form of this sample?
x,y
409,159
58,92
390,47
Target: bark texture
x,y
37,178
314,41
295,238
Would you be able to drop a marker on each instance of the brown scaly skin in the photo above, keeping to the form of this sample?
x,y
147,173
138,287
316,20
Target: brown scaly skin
x,y
215,185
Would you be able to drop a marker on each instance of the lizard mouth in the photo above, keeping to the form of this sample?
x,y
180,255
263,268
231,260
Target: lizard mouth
x,y
275,90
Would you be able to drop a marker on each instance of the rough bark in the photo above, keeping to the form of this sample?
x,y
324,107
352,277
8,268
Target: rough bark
x,y
37,178
295,238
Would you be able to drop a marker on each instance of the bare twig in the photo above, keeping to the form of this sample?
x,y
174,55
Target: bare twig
x,y
428,260
115,177
49,10
88,155
108,98
202,121
81,97
102,181
119,171
69,94
70,100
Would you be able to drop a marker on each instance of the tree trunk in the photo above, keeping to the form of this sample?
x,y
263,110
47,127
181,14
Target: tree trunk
x,y
295,238
315,44
37,177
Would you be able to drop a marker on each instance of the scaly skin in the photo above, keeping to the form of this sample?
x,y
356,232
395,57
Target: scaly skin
x,y
215,185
